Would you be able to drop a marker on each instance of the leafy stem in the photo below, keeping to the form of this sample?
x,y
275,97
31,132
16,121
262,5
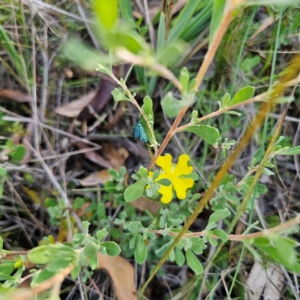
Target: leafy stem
x,y
207,60
133,101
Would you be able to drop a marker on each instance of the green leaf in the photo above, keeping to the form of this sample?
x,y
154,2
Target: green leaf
x,y
184,78
172,106
221,234
37,255
135,226
119,95
148,105
179,257
124,37
198,245
280,249
86,225
7,267
212,241
148,111
101,234
193,262
257,157
162,250
143,172
84,56
289,151
208,133
194,118
78,238
41,276
6,277
91,251
242,95
140,253
110,187
57,265
18,154
250,62
281,100
225,100
112,248
46,253
164,181
219,215
75,272
132,242
170,53
3,172
261,189
135,190
188,244
78,203
106,12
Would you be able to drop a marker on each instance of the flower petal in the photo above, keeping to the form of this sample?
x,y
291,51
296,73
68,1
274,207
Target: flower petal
x,y
182,167
166,192
165,162
181,185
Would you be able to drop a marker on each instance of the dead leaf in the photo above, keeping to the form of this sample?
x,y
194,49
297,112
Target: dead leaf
x,y
115,155
96,178
15,95
106,86
267,282
100,99
73,108
94,156
121,273
83,210
146,204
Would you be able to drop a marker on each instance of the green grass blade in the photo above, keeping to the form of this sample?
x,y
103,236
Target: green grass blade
x,y
14,56
198,23
183,19
126,11
161,36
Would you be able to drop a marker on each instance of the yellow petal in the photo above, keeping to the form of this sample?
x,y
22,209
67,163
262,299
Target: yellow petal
x,y
181,185
182,168
161,176
166,192
165,162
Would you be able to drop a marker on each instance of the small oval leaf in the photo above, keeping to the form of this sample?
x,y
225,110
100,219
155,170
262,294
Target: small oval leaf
x,y
135,190
193,262
242,95
208,133
171,106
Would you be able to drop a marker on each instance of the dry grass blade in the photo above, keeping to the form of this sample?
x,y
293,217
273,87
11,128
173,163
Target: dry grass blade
x,y
15,95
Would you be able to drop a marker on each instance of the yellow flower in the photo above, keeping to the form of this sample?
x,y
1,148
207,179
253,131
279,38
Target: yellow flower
x,y
174,174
